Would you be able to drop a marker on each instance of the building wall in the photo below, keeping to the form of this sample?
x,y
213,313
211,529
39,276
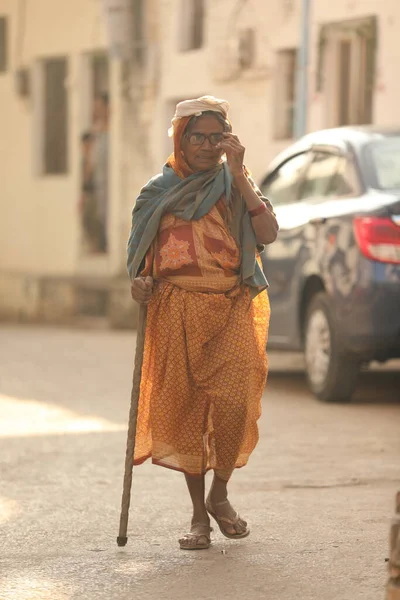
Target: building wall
x,y
253,94
206,71
39,227
39,231
387,88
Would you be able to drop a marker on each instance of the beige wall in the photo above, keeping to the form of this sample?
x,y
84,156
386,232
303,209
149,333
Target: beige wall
x,y
39,230
252,95
197,72
387,86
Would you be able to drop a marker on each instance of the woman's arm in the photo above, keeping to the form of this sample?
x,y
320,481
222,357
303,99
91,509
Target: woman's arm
x,y
262,216
260,210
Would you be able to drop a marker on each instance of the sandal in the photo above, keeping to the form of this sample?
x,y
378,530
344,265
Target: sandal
x,y
221,520
191,540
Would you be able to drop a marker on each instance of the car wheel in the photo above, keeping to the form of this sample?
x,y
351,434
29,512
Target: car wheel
x,y
331,375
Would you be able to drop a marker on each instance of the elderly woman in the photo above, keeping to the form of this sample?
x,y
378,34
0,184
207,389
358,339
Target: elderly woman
x,y
193,259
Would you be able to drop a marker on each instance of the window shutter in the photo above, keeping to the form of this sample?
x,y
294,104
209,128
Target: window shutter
x,y
55,117
3,44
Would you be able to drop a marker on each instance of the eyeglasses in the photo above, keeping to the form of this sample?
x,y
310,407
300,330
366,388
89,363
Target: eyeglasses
x,y
198,139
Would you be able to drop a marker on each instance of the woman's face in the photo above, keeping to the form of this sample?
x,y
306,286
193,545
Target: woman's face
x,y
203,156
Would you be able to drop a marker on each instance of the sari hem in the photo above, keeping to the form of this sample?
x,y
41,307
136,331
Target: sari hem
x,y
159,463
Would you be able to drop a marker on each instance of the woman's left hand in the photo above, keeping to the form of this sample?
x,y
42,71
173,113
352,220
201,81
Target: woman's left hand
x,y
234,153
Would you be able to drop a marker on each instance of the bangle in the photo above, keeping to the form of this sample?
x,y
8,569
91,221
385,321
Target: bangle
x,y
258,211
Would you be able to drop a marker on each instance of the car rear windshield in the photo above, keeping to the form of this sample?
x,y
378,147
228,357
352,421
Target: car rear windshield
x,y
385,156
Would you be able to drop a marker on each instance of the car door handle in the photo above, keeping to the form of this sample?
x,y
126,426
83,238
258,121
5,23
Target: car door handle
x,y
318,221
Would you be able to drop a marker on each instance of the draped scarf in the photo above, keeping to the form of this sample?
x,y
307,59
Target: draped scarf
x,y
189,199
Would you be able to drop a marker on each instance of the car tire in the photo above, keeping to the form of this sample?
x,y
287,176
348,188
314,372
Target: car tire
x,y
331,374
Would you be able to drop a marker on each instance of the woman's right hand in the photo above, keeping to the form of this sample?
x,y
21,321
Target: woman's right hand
x,y
142,289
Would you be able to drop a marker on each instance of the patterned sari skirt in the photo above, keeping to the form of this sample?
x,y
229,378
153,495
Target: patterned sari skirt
x,y
203,376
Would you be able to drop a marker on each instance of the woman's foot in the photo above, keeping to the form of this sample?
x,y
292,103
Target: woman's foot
x,y
198,538
230,523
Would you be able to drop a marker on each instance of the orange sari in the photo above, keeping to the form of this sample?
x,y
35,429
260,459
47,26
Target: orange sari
x,y
204,365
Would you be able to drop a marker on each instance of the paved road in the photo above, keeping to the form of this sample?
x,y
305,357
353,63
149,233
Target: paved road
x,y
318,491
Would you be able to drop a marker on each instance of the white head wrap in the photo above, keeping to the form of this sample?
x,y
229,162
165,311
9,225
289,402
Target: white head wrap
x,y
196,107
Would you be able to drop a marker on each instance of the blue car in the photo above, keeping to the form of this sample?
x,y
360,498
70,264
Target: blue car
x,y
334,271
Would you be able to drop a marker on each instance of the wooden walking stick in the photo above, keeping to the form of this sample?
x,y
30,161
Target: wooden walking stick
x,y
130,443
393,585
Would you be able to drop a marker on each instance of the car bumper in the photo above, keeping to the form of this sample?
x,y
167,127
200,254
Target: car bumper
x,y
369,317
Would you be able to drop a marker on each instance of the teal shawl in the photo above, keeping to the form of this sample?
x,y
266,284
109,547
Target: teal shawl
x,y
191,199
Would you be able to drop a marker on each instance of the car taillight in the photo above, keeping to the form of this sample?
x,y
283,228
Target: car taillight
x,y
378,238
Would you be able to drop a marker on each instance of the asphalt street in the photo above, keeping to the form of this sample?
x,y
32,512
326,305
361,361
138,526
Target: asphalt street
x,y
318,491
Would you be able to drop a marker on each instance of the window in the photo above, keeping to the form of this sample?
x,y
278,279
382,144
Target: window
x,y
282,186
354,96
139,30
192,33
344,83
345,181
285,93
328,175
55,118
94,149
287,7
385,157
346,70
247,48
3,45
319,175
100,75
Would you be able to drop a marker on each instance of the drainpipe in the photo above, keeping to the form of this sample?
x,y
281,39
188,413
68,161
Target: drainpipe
x,y
300,125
